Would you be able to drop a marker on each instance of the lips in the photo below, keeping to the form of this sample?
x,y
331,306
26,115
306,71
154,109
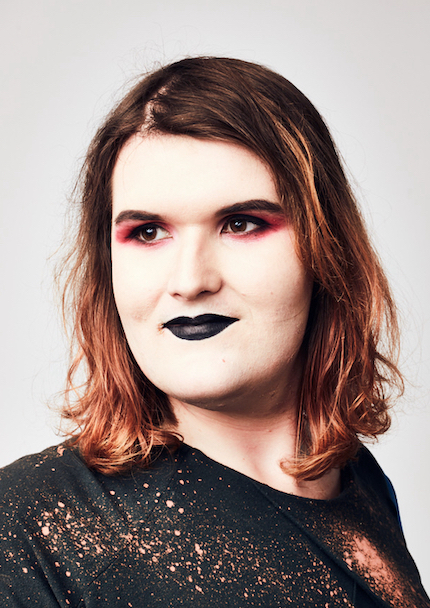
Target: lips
x,y
198,328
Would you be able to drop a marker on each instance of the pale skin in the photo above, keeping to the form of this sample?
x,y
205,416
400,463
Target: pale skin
x,y
198,229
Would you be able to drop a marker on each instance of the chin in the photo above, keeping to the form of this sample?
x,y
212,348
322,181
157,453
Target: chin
x,y
205,397
207,391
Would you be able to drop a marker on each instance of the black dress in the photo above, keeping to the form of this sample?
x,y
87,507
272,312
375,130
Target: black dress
x,y
191,532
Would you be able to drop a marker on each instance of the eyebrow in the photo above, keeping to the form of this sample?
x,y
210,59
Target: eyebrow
x,y
131,215
242,207
252,205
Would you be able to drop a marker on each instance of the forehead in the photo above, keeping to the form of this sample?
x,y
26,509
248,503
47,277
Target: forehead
x,y
163,170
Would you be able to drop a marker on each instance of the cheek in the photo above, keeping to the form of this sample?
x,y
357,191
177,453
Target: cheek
x,y
275,282
135,289
295,289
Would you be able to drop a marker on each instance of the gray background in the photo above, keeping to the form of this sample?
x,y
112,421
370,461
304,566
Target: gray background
x,y
365,66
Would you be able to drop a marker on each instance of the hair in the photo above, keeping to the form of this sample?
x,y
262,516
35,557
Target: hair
x,y
351,340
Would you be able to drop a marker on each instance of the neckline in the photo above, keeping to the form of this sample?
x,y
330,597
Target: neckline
x,y
347,479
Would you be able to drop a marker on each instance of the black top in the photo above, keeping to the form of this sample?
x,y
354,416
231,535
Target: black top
x,y
191,532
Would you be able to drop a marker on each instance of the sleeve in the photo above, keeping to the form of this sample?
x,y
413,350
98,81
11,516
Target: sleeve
x,y
59,528
24,590
30,576
23,584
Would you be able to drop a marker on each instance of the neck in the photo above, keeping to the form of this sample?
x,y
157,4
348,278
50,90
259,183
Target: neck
x,y
252,444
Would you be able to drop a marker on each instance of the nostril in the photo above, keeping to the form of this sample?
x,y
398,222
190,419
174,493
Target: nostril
x,y
195,273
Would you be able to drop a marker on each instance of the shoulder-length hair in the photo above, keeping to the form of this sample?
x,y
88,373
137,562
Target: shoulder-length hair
x,y
348,377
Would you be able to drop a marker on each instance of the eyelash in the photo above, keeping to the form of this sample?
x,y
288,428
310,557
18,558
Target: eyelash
x,y
259,223
250,219
136,233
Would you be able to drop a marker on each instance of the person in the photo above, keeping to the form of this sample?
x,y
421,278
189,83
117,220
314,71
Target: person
x,y
235,339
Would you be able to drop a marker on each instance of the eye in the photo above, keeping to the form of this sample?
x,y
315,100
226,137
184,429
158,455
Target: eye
x,y
149,233
243,225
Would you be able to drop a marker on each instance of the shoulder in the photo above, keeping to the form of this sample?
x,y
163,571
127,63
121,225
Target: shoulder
x,y
38,493
367,470
40,463
371,478
38,480
35,520
62,523
37,473
59,476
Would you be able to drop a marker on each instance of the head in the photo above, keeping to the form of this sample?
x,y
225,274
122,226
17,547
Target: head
x,y
121,414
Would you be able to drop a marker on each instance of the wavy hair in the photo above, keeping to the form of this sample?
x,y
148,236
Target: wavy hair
x,y
350,345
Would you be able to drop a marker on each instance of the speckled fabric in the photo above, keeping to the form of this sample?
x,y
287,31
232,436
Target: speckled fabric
x,y
191,532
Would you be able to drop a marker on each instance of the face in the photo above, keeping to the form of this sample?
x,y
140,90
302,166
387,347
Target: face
x,y
211,294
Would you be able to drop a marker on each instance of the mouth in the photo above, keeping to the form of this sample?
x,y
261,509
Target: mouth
x,y
198,328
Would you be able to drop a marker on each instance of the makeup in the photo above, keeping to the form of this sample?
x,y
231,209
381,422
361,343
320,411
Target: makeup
x,y
198,228
200,327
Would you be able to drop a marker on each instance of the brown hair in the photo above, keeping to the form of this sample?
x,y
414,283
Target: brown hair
x,y
347,380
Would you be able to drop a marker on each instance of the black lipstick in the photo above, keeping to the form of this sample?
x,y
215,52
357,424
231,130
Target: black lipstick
x,y
198,328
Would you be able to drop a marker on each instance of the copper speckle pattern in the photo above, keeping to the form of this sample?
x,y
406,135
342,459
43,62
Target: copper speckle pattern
x,y
360,529
191,532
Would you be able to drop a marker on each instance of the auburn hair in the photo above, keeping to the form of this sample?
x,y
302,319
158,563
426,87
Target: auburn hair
x,y
350,345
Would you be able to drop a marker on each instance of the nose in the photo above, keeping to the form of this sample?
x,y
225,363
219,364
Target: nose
x,y
195,270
